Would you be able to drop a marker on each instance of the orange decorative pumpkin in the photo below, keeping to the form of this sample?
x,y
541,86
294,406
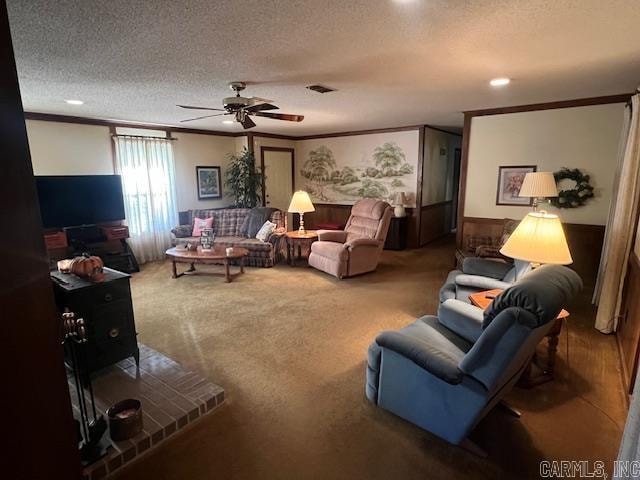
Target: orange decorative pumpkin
x,y
88,267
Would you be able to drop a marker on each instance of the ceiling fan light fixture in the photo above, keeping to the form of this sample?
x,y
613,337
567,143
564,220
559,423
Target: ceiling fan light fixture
x,y
74,102
228,122
241,108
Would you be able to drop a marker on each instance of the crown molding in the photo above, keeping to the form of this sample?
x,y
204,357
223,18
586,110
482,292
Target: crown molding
x,y
579,102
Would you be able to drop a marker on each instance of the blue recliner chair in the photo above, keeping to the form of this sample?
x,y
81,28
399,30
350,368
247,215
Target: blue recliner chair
x,y
445,373
481,274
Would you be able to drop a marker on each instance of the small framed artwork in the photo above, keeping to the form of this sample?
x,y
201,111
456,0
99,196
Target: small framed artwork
x,y
510,180
209,183
206,238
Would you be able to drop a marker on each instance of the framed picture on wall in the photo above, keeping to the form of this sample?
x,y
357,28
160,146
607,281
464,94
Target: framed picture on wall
x,y
209,183
510,180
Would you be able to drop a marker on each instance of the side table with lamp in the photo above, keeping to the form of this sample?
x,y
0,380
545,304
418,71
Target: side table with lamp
x,y
538,239
301,204
398,227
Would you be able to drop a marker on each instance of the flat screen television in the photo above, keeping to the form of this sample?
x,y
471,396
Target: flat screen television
x,y
68,201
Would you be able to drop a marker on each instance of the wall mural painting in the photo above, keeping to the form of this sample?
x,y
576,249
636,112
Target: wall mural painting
x,y
381,175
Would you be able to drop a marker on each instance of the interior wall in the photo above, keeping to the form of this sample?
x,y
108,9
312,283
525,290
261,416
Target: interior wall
x,y
437,170
240,143
356,152
191,150
59,148
69,148
271,142
578,137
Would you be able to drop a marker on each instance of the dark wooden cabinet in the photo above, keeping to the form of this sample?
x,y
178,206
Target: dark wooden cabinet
x,y
107,311
397,234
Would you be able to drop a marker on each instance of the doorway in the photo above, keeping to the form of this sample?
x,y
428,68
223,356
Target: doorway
x,y
456,188
277,165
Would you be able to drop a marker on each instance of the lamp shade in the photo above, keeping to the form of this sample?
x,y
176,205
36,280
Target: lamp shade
x,y
301,203
539,184
540,239
400,199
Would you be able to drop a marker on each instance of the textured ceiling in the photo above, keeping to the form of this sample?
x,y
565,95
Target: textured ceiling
x,y
393,63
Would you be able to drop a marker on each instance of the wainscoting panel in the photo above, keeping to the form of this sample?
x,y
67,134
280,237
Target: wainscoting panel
x,y
329,213
435,221
585,243
325,213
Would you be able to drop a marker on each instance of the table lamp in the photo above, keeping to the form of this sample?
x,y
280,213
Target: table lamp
x,y
399,201
301,203
539,186
539,238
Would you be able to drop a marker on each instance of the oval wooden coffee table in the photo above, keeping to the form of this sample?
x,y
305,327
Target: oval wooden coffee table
x,y
217,255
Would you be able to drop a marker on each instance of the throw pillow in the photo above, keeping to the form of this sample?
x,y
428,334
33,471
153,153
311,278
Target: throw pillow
x,y
254,221
199,224
244,227
265,231
182,231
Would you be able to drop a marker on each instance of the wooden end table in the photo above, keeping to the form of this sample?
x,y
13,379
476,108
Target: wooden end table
x,y
297,239
217,255
484,299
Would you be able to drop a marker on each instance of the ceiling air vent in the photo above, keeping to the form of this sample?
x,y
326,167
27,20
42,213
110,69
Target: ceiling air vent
x,y
321,89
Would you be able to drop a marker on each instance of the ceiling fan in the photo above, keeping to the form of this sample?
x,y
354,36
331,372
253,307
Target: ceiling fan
x,y
241,108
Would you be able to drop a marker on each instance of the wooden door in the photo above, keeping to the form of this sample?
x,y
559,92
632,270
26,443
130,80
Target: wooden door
x,y
277,168
39,439
628,331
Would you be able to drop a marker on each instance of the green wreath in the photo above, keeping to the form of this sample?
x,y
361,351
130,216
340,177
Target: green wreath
x,y
577,196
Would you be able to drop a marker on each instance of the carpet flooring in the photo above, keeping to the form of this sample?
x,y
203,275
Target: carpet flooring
x,y
289,344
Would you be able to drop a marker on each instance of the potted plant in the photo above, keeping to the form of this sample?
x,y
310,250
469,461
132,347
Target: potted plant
x,y
243,180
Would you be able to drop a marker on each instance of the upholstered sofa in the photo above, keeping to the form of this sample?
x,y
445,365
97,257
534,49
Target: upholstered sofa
x,y
445,373
357,248
227,224
486,246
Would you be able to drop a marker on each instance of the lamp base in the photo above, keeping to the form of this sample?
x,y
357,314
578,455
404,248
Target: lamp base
x,y
399,211
522,268
538,201
301,230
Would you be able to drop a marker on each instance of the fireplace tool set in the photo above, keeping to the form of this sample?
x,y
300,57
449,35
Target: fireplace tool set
x,y
90,432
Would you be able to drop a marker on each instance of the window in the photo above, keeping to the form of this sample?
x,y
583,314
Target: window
x,y
146,165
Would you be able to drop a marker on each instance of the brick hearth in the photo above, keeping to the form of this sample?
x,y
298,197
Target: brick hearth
x,y
171,396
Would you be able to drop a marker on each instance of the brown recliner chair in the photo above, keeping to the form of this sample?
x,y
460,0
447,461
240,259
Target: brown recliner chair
x,y
357,248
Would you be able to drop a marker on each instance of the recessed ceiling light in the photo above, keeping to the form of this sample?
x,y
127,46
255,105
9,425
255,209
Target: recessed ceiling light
x,y
500,82
228,122
74,102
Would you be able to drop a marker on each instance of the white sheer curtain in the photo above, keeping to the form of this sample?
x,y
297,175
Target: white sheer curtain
x,y
148,182
622,146
621,228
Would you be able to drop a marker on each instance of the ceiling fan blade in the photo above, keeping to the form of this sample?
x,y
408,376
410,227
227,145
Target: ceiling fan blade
x,y
201,108
259,107
200,118
247,122
280,116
